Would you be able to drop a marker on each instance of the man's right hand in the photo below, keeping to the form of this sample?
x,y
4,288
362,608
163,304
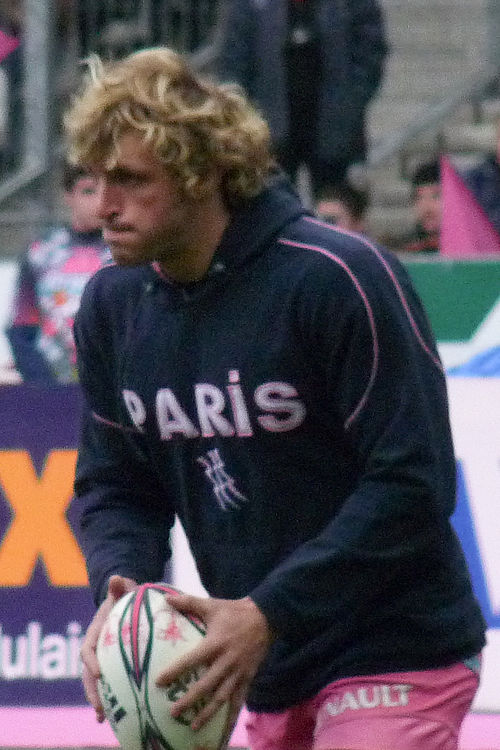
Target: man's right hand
x,y
117,587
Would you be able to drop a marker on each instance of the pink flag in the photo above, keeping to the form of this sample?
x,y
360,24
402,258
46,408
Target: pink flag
x,y
465,229
7,44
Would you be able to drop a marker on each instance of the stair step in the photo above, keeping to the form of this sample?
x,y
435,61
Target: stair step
x,y
390,192
390,224
490,110
469,137
385,116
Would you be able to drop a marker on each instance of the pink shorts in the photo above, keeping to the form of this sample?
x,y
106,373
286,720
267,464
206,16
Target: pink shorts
x,y
405,710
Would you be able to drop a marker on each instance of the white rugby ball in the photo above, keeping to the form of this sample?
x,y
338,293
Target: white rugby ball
x,y
140,638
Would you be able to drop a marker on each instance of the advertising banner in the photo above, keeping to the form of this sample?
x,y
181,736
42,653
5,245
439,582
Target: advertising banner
x,y
475,412
462,300
45,605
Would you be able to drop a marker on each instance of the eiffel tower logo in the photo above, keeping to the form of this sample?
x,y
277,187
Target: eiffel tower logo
x,y
223,485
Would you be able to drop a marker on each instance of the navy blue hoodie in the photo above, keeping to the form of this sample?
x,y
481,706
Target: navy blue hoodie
x,y
291,409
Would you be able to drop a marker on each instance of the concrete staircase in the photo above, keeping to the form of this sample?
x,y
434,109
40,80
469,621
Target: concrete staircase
x,y
436,46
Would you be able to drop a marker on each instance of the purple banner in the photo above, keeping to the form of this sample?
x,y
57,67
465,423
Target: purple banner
x,y
45,605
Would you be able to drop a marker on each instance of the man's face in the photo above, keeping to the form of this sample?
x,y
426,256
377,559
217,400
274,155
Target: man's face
x,y
83,202
427,206
144,215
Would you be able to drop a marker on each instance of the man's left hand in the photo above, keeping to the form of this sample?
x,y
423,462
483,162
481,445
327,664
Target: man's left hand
x,y
237,640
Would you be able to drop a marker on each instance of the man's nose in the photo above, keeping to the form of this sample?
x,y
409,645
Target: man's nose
x,y
107,199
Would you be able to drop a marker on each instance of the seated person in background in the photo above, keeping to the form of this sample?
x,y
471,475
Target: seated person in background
x,y
52,275
483,180
343,205
426,204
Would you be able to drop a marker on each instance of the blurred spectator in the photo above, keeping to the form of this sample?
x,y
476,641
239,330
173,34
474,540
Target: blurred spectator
x,y
312,68
52,276
483,180
343,205
11,23
426,204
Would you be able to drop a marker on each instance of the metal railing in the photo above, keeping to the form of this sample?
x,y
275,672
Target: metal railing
x,y
433,118
50,57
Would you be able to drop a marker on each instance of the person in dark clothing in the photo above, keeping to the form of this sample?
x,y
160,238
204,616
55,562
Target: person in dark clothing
x,y
483,180
312,67
274,383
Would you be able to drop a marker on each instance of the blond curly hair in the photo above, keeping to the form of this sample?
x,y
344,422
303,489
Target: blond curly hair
x,y
194,125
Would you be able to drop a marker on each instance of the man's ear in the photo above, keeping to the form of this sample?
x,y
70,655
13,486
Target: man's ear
x,y
203,186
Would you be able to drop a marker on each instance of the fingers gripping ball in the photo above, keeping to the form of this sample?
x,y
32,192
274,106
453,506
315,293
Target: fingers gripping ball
x,y
140,638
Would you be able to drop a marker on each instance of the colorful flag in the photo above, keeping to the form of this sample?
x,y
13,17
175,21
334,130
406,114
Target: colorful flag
x,y
8,44
465,229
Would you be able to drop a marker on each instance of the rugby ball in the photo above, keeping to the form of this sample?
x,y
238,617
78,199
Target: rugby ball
x,y
142,635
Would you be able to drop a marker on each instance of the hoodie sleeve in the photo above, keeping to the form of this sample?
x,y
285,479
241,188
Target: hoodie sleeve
x,y
124,516
385,383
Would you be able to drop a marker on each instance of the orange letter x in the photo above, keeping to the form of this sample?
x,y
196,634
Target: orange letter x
x,y
39,528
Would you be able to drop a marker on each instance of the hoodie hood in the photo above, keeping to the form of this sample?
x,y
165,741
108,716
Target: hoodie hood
x,y
255,226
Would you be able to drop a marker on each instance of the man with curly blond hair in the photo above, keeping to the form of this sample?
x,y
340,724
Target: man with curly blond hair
x,y
272,381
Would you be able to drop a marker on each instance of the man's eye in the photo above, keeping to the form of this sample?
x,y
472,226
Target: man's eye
x,y
128,178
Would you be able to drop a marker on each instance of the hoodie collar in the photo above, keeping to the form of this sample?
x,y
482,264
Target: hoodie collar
x,y
255,225
250,230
